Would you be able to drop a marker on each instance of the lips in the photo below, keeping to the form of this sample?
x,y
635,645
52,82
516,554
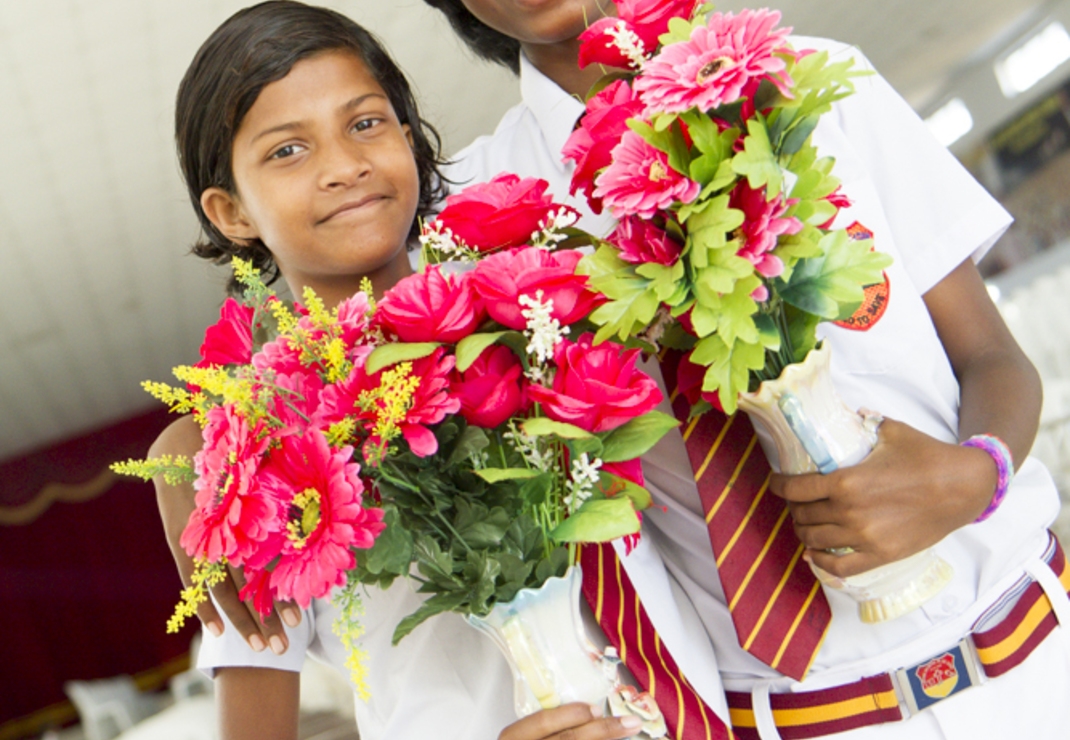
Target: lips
x,y
353,206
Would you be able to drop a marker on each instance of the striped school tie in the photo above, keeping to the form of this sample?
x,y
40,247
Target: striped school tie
x,y
778,608
613,599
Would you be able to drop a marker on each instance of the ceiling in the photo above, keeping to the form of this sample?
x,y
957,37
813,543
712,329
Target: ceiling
x,y
98,291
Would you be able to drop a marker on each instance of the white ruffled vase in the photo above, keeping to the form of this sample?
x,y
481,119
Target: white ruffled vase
x,y
804,426
554,662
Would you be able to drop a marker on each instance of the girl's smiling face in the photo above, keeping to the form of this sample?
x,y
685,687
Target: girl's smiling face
x,y
539,21
325,177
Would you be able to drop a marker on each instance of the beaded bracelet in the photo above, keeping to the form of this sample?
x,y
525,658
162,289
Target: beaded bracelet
x,y
1001,455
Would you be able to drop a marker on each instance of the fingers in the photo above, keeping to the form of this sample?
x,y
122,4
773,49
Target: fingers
x,y
571,722
260,632
841,566
802,488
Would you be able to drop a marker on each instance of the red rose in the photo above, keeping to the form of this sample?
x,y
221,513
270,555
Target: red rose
x,y
491,390
502,278
640,241
230,340
431,307
596,388
499,214
647,19
591,145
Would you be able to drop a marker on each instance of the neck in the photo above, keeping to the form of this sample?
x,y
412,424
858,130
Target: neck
x,y
558,62
333,290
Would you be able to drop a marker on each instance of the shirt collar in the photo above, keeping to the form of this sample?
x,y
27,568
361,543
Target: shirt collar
x,y
554,109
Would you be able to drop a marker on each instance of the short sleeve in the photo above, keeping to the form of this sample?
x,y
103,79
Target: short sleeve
x,y
230,650
938,213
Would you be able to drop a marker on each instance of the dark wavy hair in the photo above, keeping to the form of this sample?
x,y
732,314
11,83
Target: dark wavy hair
x,y
252,49
487,43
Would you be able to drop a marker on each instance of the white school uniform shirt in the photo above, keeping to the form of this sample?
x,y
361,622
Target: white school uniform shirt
x,y
447,681
930,215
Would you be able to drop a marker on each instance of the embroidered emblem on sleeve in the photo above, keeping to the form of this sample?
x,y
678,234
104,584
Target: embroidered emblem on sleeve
x,y
875,299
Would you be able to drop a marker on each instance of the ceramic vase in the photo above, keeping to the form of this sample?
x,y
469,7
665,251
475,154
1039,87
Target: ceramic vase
x,y
804,426
542,636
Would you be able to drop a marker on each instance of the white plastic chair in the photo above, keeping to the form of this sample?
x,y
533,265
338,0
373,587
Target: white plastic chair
x,y
109,706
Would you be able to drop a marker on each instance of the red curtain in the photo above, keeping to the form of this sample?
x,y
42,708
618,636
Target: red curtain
x,y
86,586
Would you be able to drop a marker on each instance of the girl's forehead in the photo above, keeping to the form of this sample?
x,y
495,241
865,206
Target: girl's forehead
x,y
324,83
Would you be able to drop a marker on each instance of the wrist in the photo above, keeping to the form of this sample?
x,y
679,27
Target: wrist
x,y
1001,457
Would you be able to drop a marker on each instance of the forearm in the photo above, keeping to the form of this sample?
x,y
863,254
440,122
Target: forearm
x,y
257,703
1001,395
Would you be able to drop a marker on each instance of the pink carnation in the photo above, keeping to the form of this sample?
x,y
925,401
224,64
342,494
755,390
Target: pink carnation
x,y
591,145
233,517
764,223
713,67
640,242
640,181
320,489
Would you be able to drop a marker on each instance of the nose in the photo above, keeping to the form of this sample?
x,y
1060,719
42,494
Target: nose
x,y
343,165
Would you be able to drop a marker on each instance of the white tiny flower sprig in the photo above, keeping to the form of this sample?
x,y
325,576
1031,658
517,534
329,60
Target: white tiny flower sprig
x,y
550,232
529,449
629,43
439,242
543,332
581,486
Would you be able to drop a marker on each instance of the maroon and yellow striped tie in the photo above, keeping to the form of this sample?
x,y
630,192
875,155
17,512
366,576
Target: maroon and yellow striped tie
x,y
777,605
616,606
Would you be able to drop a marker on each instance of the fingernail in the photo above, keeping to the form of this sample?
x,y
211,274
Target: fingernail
x,y
631,722
597,710
215,628
291,617
256,642
277,645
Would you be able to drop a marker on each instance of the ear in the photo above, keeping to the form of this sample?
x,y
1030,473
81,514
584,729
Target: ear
x,y
225,212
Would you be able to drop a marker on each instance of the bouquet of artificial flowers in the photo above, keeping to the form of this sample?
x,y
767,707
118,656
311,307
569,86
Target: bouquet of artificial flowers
x,y
451,432
700,144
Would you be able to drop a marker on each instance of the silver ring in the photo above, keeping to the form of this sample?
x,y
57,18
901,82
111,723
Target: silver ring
x,y
839,551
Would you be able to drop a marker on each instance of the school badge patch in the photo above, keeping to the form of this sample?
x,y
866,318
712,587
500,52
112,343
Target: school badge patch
x,y
875,299
937,678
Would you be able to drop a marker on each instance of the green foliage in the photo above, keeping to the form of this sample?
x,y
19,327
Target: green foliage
x,y
827,284
757,162
636,437
391,354
599,520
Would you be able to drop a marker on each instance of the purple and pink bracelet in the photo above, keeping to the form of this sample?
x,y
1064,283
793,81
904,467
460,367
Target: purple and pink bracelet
x,y
1001,455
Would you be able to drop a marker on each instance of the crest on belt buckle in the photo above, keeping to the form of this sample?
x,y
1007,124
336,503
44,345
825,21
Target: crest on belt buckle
x,y
936,679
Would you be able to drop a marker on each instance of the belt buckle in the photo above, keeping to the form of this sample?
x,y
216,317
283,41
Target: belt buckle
x,y
943,675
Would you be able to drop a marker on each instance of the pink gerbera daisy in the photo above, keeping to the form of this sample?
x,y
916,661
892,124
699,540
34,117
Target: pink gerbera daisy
x,y
712,68
640,181
320,490
233,516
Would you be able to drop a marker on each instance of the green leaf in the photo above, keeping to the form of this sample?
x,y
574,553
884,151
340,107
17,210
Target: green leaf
x,y
768,333
437,604
537,489
757,163
802,328
728,367
612,486
599,520
392,354
798,135
497,475
471,347
592,446
680,29
478,526
555,565
824,285
392,551
636,437
543,427
472,441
